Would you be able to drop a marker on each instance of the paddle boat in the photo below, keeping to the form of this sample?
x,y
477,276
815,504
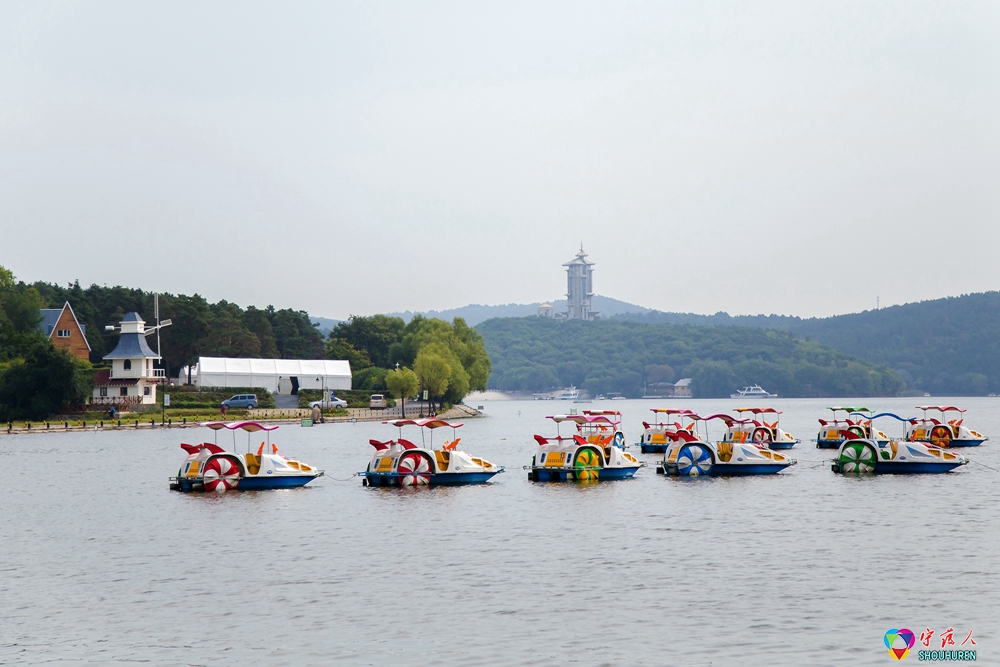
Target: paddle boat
x,y
860,455
595,452
400,462
691,455
829,430
209,467
942,432
654,437
758,431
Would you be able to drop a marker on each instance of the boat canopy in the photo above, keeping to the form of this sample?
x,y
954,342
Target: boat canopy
x,y
759,411
609,413
430,422
849,409
248,426
728,419
672,411
941,408
885,414
583,420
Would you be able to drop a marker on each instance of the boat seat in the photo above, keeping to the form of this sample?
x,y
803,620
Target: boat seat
x,y
253,463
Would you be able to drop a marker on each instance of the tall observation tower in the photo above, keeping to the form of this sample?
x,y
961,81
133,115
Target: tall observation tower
x,y
579,287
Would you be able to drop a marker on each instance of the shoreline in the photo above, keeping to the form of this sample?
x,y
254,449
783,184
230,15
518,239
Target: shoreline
x,y
362,415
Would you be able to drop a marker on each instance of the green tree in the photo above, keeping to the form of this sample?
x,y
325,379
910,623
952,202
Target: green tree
x,y
340,348
256,321
433,371
42,383
375,335
296,337
402,382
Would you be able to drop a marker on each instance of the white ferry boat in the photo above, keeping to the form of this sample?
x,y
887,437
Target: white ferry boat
x,y
569,394
755,391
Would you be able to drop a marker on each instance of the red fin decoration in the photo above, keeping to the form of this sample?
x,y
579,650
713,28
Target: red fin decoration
x,y
407,444
191,449
683,435
580,440
541,441
822,422
215,449
850,435
379,446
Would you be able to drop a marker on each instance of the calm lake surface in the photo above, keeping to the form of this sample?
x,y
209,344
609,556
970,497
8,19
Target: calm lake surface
x,y
101,564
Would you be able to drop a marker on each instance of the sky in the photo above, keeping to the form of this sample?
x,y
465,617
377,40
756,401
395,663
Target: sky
x,y
799,158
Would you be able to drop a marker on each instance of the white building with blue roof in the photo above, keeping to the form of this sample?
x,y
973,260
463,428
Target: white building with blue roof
x,y
133,378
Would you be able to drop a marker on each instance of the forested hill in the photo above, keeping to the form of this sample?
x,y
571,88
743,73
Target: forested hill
x,y
200,328
535,354
947,347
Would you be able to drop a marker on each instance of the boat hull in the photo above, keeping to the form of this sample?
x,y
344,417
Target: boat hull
x,y
781,445
253,483
965,443
905,468
542,474
652,449
437,479
730,469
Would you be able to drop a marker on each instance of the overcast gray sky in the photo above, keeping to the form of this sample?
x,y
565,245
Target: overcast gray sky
x,y
786,157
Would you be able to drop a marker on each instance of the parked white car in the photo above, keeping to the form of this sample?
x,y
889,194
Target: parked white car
x,y
334,402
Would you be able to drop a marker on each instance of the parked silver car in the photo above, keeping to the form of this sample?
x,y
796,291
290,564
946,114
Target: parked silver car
x,y
334,402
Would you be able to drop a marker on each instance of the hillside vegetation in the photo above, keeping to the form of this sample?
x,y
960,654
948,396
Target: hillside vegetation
x,y
947,347
536,354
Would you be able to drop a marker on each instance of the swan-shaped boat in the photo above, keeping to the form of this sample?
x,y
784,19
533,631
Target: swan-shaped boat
x,y
829,436
757,430
691,455
209,467
400,462
595,452
943,432
655,436
860,455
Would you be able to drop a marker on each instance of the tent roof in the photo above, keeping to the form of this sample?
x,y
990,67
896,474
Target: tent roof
x,y
282,367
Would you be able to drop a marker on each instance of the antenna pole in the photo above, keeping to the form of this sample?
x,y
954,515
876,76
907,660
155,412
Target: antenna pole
x,y
156,312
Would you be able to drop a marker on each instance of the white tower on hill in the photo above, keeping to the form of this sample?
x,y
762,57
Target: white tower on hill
x,y
579,287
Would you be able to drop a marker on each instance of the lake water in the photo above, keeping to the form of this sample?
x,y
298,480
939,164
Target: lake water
x,y
101,564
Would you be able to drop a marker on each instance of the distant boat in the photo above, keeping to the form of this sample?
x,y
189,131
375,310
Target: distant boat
x,y
569,394
755,391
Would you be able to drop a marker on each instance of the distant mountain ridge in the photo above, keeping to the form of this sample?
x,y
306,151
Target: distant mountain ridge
x,y
946,347
475,313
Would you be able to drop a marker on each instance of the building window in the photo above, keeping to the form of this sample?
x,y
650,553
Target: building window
x,y
127,364
123,391
145,391
63,333
104,391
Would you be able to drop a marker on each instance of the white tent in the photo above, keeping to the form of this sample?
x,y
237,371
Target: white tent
x,y
275,375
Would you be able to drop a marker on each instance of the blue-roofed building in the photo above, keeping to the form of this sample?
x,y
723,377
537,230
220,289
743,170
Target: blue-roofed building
x,y
133,378
65,331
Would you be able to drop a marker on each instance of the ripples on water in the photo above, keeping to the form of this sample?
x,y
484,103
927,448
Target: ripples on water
x,y
102,564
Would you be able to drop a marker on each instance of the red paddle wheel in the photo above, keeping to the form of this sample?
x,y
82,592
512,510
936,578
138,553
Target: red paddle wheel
x,y
221,474
414,470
